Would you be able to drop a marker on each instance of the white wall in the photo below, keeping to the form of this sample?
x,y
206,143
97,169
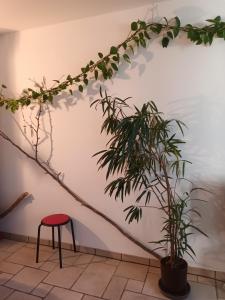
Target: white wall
x,y
185,80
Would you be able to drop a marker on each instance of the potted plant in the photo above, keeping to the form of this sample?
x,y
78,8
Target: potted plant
x,y
144,154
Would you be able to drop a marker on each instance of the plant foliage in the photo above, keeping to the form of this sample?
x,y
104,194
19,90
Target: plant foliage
x,y
144,154
107,65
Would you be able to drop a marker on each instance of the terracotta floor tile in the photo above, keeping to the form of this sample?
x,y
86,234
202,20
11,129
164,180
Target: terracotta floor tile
x,y
95,279
115,288
65,253
26,280
151,286
48,266
4,292
202,292
4,254
22,296
27,257
10,245
9,267
64,277
220,286
134,285
87,297
132,271
4,277
42,289
63,294
127,295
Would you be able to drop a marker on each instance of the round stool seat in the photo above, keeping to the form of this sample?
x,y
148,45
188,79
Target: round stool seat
x,y
56,219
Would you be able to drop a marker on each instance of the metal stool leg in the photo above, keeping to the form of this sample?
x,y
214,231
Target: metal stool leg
x,y
73,236
60,251
38,243
53,238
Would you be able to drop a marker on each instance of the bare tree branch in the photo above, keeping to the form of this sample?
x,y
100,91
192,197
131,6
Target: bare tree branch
x,y
16,203
78,198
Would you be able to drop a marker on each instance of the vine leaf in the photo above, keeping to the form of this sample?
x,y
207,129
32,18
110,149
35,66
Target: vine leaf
x,y
165,42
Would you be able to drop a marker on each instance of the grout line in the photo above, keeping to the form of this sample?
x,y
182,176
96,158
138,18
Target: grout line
x,y
52,287
24,245
83,270
48,245
39,282
113,275
9,294
146,276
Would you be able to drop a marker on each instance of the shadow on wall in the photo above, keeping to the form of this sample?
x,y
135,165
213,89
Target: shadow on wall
x,y
65,100
8,155
84,233
205,148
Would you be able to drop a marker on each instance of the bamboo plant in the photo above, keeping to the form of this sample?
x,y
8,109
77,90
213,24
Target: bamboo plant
x,y
144,154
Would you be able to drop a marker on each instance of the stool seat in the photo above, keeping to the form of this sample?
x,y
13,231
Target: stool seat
x,y
55,220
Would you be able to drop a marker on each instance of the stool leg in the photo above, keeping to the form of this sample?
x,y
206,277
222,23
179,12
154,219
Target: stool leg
x,y
53,238
73,236
38,243
60,251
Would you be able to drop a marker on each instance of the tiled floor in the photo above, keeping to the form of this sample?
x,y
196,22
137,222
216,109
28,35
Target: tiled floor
x,y
85,276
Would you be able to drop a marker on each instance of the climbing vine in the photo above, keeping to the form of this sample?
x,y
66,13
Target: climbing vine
x,y
106,65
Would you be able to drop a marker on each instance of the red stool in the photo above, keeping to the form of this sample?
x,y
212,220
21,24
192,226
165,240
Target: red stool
x,y
53,221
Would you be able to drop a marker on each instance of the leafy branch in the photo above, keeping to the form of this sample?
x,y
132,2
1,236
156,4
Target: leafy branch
x,y
144,156
107,65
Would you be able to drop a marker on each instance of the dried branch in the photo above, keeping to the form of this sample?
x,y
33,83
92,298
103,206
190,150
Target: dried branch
x,y
37,130
78,198
16,203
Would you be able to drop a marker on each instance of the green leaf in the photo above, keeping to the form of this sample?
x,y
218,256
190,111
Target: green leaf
x,y
126,58
176,31
115,58
96,74
143,24
105,74
217,19
100,54
113,50
177,21
156,28
81,88
165,42
124,46
86,81
134,26
70,79
101,66
147,35
114,66
143,43
137,41
131,48
35,95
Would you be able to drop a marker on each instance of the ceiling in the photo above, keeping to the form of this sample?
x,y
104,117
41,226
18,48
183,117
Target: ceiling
x,y
24,14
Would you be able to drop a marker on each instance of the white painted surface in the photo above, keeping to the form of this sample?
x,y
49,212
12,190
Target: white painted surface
x,y
24,14
186,81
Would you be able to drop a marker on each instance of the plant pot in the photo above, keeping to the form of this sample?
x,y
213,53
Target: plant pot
x,y
173,282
